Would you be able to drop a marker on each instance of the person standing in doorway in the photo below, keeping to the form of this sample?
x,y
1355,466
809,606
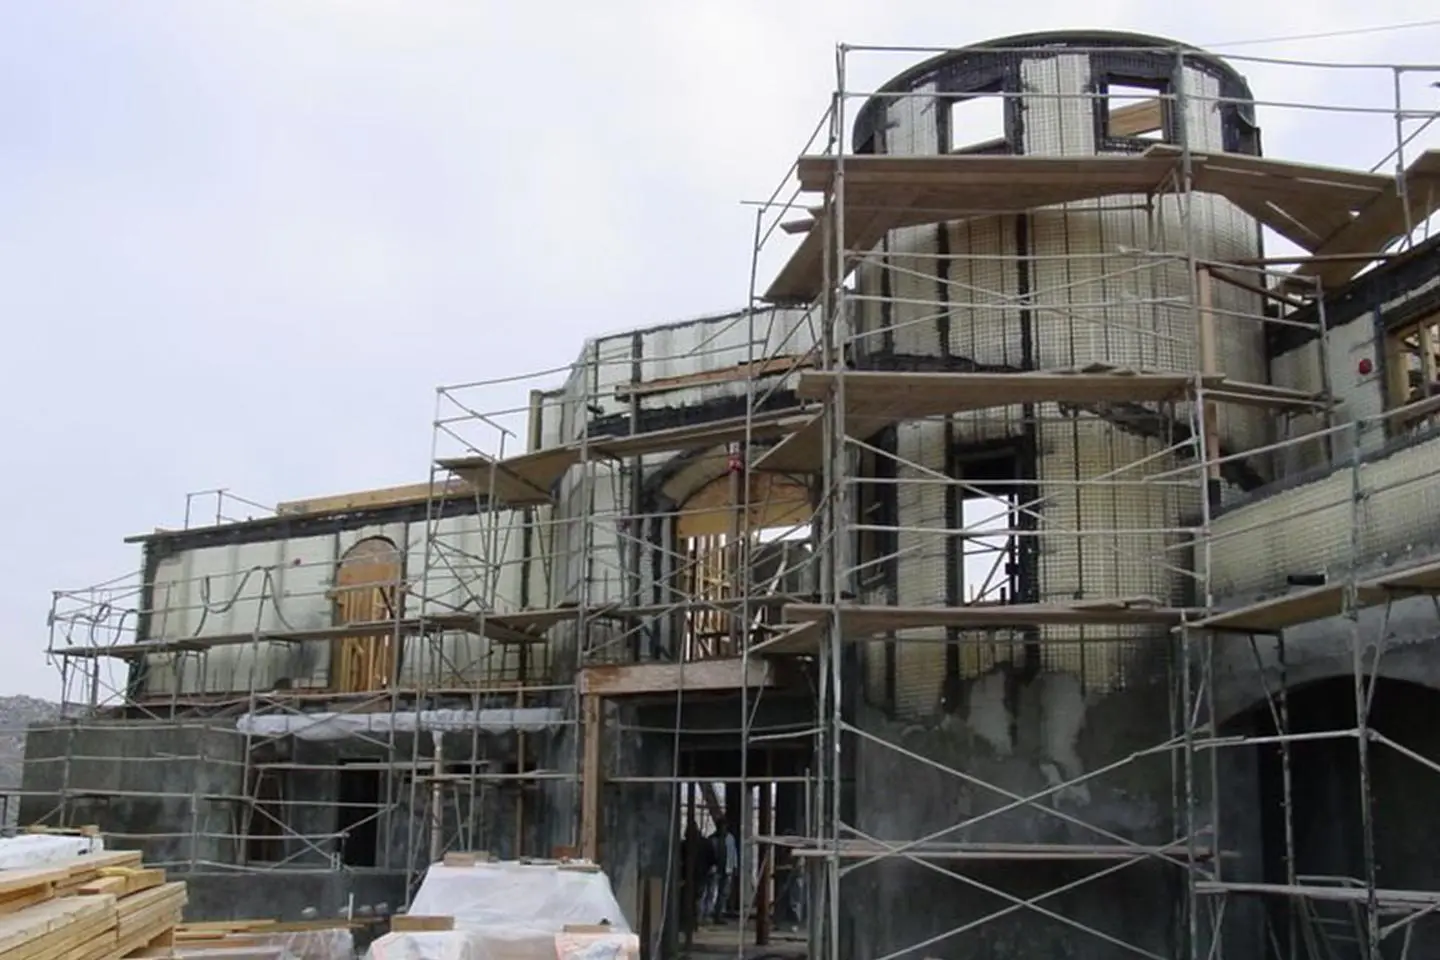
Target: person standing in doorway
x,y
723,850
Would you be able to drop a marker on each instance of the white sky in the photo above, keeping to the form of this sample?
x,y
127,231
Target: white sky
x,y
244,240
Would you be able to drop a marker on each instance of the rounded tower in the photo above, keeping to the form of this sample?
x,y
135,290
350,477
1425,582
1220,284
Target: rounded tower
x,y
1105,282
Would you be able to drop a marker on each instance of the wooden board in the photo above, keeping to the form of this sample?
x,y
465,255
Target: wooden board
x,y
618,680
1310,204
1319,603
420,924
527,479
771,366
867,622
408,494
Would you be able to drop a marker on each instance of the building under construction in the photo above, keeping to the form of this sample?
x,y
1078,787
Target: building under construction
x,y
1034,565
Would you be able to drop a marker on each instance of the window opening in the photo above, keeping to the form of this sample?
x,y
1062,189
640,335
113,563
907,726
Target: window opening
x,y
357,816
1133,110
1412,374
976,123
717,540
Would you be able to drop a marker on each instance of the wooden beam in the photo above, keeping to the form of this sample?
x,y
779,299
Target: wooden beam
x,y
410,493
620,680
784,363
1147,116
592,712
1209,415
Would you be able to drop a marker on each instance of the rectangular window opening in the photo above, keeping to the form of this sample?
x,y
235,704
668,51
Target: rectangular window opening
x,y
1134,112
1412,375
987,558
976,123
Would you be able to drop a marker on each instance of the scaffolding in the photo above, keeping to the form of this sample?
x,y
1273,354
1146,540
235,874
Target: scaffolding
x,y
1205,430
307,649
610,530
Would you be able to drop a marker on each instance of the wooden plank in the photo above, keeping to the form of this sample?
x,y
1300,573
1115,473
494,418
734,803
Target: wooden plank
x,y
912,395
592,711
50,926
407,923
1305,202
526,480
525,626
407,494
26,879
1379,223
620,680
1276,614
1147,116
782,364
868,621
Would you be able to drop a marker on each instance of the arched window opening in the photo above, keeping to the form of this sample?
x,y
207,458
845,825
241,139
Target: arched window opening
x,y
741,536
367,592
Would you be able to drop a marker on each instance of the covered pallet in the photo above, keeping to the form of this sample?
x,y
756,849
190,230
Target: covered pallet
x,y
513,911
264,940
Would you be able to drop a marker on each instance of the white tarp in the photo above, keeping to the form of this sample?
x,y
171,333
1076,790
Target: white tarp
x,y
505,911
41,849
335,944
341,726
505,943
538,896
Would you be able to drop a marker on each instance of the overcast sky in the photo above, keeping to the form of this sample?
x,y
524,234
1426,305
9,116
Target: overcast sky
x,y
243,241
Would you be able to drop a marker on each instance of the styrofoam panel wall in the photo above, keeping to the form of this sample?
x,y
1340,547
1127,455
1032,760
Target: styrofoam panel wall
x,y
551,418
1360,396
301,570
1299,369
914,291
922,563
1307,529
910,126
476,555
984,326
1059,121
721,342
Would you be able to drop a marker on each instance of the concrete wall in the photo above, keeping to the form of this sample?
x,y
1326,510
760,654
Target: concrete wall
x,y
150,787
1040,735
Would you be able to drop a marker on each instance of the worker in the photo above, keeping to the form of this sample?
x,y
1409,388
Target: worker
x,y
697,864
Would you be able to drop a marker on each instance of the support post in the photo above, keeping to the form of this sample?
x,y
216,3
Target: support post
x,y
1209,367
590,777
437,799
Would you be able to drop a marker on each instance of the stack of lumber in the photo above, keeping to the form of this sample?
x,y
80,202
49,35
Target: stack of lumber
x,y
102,906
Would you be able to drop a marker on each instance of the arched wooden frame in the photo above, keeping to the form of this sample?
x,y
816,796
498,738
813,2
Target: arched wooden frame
x,y
367,589
711,531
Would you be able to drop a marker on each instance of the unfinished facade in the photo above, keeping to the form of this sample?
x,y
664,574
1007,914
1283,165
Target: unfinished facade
x,y
1033,567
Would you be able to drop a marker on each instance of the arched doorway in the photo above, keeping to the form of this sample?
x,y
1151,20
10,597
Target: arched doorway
x,y
367,583
1313,835
731,525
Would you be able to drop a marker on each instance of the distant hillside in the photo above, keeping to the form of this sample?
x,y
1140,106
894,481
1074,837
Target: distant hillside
x,y
17,713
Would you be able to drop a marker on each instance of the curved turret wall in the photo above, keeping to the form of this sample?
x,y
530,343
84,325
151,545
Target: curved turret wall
x,y
1056,288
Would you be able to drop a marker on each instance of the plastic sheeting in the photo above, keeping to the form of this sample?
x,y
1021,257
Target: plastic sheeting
x,y
40,849
188,952
341,726
331,944
506,943
507,911
496,943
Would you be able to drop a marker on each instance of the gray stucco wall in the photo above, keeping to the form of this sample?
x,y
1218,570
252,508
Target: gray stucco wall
x,y
1054,735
